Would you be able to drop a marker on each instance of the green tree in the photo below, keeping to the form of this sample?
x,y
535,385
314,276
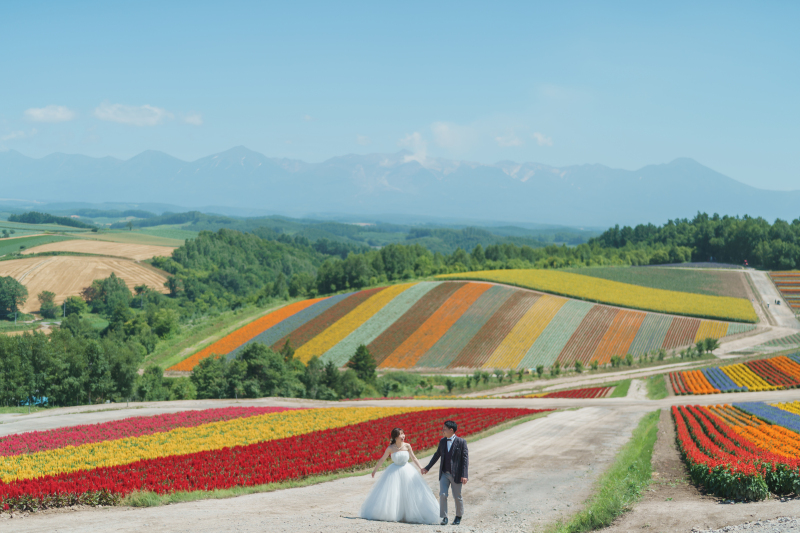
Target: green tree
x,y
363,364
104,295
209,379
74,305
13,295
47,305
540,370
450,384
287,351
578,367
150,386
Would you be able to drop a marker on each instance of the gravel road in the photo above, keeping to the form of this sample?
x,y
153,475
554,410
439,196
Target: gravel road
x,y
779,525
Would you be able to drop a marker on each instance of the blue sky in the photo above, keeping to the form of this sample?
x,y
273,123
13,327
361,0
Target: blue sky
x,y
560,83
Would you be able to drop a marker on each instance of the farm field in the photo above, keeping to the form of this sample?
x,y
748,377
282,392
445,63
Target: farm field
x,y
134,237
455,324
743,451
788,284
21,227
759,375
22,244
698,281
211,449
619,294
138,252
69,275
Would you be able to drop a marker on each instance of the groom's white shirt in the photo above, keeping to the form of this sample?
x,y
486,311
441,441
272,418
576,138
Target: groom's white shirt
x,y
450,442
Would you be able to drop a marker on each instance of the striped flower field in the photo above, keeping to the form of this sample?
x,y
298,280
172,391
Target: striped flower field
x,y
788,283
743,451
211,449
781,372
460,324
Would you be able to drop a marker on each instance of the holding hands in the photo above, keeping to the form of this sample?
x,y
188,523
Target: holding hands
x,y
423,471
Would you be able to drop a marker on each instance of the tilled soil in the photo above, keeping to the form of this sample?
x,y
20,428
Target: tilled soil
x,y
672,503
520,480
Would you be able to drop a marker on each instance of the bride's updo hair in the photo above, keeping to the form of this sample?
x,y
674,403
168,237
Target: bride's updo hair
x,y
395,433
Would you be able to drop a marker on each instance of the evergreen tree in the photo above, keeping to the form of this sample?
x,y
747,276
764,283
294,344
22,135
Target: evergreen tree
x,y
363,364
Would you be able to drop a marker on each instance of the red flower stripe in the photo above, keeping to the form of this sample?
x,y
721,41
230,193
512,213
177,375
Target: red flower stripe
x,y
265,462
595,392
37,441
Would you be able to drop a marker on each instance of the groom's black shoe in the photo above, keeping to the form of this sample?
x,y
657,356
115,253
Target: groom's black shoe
x,y
457,521
444,521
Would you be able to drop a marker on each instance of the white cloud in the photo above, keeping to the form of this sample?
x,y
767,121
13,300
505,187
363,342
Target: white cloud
x,y
363,140
307,118
542,140
195,119
51,113
454,136
145,115
417,145
13,135
508,140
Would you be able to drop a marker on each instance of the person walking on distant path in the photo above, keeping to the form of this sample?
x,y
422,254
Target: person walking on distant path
x,y
453,470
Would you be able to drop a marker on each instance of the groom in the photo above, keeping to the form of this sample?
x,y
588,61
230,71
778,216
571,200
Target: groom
x,y
452,470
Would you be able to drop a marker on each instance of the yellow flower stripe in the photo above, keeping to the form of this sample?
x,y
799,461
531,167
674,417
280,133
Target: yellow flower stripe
x,y
214,436
349,323
744,377
621,294
522,336
792,407
711,329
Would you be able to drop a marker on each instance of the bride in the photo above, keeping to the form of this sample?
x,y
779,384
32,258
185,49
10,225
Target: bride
x,y
401,495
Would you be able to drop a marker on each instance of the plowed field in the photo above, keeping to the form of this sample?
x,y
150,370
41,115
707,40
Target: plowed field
x,y
139,252
69,275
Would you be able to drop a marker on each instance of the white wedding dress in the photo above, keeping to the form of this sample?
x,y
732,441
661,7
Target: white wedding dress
x,y
401,495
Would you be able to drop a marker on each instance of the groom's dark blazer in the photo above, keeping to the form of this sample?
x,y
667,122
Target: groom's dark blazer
x,y
459,462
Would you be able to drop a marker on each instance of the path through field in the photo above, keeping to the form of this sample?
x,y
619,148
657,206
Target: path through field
x,y
521,478
782,314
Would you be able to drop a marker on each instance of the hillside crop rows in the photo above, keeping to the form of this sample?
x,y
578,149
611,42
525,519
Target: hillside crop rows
x,y
461,324
620,294
698,281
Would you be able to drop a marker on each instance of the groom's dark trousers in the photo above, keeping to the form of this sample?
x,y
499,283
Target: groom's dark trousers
x,y
454,466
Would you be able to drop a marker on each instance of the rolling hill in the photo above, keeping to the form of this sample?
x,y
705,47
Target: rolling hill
x,y
460,324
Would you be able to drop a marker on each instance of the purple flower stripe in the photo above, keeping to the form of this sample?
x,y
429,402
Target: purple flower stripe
x,y
771,414
720,380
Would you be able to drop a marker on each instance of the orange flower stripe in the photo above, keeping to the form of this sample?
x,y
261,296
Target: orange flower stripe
x,y
787,366
776,439
233,340
697,383
619,337
409,352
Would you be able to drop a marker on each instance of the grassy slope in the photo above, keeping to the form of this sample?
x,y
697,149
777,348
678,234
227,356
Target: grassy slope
x,y
151,499
620,389
710,282
8,246
202,333
623,483
657,387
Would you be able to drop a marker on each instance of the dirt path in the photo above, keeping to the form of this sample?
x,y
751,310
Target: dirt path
x,y
782,314
637,390
672,503
520,479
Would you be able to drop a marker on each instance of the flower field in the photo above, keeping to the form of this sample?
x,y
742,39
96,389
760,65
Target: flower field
x,y
456,324
741,451
620,294
788,283
781,372
218,449
592,392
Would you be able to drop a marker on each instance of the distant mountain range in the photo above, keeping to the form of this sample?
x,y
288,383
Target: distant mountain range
x,y
388,184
